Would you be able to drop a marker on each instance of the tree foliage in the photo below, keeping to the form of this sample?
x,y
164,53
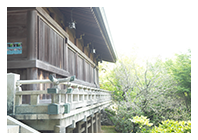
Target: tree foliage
x,y
154,89
180,70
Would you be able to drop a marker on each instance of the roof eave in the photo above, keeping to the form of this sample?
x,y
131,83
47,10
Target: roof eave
x,y
105,31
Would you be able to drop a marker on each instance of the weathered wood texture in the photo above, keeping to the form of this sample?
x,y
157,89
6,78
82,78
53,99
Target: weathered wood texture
x,y
17,31
47,43
51,46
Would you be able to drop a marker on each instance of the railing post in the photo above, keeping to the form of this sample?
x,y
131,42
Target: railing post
x,y
11,91
75,93
34,99
18,99
81,94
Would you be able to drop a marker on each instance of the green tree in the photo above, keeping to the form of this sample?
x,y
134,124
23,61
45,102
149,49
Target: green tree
x,y
180,69
148,89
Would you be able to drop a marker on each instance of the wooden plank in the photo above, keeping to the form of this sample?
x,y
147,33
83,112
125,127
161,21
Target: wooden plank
x,y
38,35
50,45
65,56
57,51
36,109
36,64
80,53
84,70
80,68
76,64
90,73
46,39
41,44
51,68
71,62
21,64
31,34
31,75
17,32
19,9
61,52
51,21
53,48
44,42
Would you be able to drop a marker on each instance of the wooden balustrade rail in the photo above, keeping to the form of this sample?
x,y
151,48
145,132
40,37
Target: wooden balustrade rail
x,y
81,96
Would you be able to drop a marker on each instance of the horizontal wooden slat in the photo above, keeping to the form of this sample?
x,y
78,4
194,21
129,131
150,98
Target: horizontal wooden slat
x,y
31,92
36,64
51,68
21,64
33,109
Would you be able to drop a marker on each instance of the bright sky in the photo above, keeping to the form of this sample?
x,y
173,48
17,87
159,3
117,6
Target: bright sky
x,y
156,27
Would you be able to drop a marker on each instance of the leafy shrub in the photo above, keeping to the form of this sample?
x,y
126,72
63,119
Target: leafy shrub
x,y
170,126
121,120
142,124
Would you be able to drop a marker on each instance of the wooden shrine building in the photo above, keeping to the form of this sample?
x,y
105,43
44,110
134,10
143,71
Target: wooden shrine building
x,y
63,41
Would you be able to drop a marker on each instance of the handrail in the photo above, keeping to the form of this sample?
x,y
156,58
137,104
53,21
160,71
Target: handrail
x,y
75,95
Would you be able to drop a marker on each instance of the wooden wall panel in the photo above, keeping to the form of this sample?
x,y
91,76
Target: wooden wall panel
x,y
17,32
71,62
80,68
50,45
87,74
91,80
41,41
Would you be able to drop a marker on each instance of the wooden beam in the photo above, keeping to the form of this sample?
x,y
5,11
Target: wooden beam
x,y
31,34
36,64
21,64
51,68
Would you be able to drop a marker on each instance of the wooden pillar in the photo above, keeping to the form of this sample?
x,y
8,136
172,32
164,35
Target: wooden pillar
x,y
96,123
86,126
91,130
59,129
69,130
32,35
78,127
99,122
31,50
32,74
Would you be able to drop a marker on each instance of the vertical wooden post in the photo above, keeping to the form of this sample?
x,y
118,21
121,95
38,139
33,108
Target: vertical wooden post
x,y
66,55
86,124
99,121
59,129
32,74
91,130
69,130
32,35
34,99
31,48
96,123
78,127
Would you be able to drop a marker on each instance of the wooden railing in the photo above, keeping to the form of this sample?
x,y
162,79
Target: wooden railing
x,y
73,97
